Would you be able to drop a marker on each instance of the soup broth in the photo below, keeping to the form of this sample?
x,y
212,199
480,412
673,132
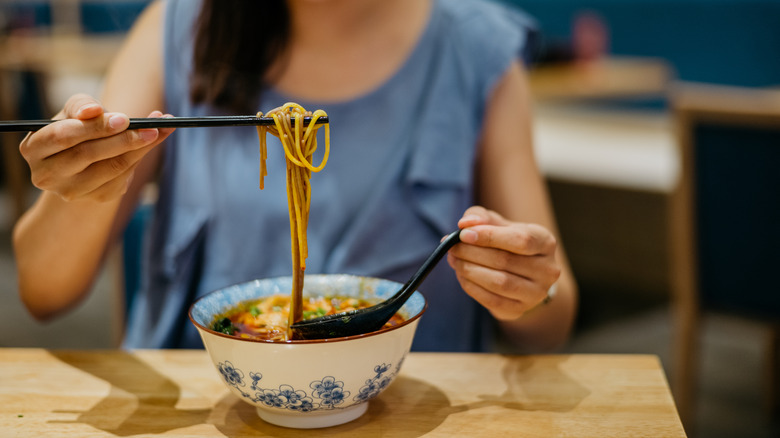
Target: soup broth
x,y
267,318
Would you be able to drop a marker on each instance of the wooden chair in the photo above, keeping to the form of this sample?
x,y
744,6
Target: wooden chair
x,y
724,224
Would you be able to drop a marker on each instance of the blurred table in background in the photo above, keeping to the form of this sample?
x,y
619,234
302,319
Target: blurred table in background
x,y
610,147
610,77
589,130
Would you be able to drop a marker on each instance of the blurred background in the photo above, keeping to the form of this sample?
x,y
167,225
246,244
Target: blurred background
x,y
657,125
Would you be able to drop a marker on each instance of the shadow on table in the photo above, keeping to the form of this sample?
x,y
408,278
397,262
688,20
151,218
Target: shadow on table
x,y
537,388
133,406
411,408
142,401
419,406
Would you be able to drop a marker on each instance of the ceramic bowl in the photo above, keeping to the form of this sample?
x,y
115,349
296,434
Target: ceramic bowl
x,y
308,383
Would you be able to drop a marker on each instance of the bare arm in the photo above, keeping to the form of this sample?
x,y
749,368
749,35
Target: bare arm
x,y
513,253
89,167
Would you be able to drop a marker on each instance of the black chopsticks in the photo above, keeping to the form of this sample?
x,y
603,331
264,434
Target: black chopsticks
x,y
163,122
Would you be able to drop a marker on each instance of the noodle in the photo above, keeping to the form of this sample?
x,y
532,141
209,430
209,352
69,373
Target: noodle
x,y
299,146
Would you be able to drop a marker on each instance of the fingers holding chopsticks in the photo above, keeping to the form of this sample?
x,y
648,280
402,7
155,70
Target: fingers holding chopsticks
x,y
84,119
88,153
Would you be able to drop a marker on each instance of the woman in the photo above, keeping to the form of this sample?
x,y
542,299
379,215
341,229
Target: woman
x,y
429,112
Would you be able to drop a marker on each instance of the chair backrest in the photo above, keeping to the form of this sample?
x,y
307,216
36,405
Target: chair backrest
x,y
725,213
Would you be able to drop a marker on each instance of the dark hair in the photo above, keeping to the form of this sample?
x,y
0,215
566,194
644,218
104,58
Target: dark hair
x,y
236,42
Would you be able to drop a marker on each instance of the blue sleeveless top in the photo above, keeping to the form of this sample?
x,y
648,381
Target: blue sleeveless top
x,y
399,177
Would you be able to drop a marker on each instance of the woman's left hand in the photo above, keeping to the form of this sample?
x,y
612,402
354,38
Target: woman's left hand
x,y
506,266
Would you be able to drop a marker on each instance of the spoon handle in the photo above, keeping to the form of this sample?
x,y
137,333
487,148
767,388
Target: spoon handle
x,y
451,240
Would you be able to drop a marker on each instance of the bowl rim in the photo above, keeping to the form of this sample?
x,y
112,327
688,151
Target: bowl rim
x,y
302,341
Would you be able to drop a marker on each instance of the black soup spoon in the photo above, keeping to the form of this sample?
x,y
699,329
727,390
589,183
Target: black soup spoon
x,y
369,319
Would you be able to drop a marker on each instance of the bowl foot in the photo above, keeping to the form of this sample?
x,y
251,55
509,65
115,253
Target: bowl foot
x,y
312,420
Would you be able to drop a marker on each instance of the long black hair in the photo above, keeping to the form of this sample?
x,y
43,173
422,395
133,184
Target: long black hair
x,y
236,42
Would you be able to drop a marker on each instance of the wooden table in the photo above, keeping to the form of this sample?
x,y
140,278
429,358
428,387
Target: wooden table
x,y
610,77
179,393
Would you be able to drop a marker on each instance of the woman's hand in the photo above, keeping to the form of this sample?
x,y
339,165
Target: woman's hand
x,y
508,267
89,154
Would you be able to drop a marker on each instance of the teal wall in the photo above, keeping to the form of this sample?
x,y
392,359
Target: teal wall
x,y
97,16
733,42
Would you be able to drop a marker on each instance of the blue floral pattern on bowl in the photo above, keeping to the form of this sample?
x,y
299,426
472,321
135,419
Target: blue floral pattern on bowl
x,y
328,391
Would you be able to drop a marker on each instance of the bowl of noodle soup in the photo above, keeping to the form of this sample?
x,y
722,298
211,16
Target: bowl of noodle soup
x,y
307,383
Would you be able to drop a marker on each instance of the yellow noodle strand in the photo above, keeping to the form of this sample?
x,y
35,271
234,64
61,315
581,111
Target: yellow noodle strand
x,y
299,145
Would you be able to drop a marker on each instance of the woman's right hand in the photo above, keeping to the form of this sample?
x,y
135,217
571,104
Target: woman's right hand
x,y
89,154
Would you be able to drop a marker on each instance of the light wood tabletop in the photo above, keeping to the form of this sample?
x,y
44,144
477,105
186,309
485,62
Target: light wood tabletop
x,y
178,393
610,77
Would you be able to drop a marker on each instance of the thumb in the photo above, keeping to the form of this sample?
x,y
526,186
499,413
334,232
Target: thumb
x,y
82,107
